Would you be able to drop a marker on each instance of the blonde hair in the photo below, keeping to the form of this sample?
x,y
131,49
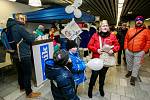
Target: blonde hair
x,y
18,15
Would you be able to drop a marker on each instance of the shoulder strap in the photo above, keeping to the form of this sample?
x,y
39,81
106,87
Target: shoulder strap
x,y
135,34
100,42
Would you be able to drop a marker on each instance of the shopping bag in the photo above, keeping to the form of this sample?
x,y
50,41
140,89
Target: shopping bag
x,y
95,64
108,60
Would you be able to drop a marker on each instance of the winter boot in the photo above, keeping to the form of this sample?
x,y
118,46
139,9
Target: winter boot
x,y
132,80
101,90
128,74
90,91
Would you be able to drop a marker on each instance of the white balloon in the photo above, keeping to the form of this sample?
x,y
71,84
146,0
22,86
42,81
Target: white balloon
x,y
69,9
77,3
77,13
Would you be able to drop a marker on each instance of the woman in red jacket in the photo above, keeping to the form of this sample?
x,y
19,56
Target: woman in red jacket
x,y
94,46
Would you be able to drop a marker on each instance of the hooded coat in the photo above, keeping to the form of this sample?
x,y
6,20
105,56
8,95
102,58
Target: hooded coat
x,y
62,82
19,32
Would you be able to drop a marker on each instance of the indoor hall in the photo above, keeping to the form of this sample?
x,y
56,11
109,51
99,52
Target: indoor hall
x,y
117,86
116,12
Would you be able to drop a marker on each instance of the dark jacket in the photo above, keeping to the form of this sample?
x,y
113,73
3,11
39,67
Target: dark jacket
x,y
92,30
85,37
121,36
19,32
62,83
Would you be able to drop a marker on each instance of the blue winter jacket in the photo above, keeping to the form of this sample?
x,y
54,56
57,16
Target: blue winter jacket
x,y
78,68
62,83
19,32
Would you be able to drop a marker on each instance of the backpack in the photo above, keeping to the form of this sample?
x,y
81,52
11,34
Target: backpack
x,y
8,41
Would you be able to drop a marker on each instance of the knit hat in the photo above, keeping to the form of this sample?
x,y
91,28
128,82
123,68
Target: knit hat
x,y
141,18
71,44
61,57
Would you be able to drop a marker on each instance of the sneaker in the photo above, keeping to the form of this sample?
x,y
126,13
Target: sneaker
x,y
34,94
128,74
132,80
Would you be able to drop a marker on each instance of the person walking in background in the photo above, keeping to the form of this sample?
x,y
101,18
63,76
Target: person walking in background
x,y
60,76
136,45
85,37
121,36
94,46
113,30
23,40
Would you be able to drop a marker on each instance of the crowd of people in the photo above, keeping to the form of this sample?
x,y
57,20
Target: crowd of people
x,y
67,68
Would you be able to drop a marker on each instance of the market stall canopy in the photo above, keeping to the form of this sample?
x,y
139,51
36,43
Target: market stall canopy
x,y
56,14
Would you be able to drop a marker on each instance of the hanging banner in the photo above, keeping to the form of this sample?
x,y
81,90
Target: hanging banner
x,y
72,30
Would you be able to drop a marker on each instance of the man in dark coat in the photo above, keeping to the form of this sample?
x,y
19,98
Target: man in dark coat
x,y
23,40
121,36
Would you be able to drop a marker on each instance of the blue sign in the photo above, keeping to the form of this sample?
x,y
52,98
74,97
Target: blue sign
x,y
44,53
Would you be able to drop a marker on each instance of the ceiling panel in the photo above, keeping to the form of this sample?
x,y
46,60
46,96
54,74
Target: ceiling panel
x,y
137,7
106,9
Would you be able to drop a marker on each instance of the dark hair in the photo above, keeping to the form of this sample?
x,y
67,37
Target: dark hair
x,y
85,26
71,44
61,57
112,28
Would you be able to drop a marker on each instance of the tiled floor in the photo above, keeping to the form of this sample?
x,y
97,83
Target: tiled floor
x,y
117,87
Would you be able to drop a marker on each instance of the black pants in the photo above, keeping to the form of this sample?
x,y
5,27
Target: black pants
x,y
24,69
17,63
101,73
26,73
85,53
119,56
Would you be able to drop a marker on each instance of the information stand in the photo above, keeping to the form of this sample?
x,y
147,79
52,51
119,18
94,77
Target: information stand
x,y
42,50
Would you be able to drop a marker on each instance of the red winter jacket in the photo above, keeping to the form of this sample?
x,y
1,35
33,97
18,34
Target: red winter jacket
x,y
94,44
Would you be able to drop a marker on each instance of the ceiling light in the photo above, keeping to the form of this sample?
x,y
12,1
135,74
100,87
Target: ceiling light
x,y
88,11
35,3
12,0
120,6
130,12
121,1
147,19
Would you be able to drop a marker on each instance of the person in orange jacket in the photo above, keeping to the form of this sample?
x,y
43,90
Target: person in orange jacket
x,y
136,48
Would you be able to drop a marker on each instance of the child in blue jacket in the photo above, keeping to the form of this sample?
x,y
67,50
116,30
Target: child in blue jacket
x,y
78,65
